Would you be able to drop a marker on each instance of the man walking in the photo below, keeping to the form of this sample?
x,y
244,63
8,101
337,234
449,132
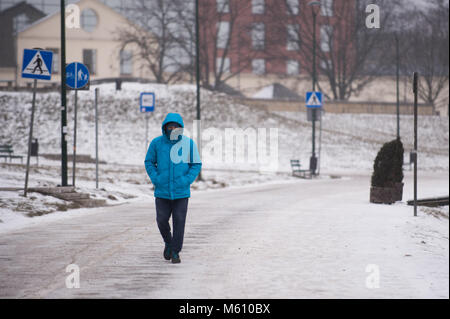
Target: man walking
x,y
172,163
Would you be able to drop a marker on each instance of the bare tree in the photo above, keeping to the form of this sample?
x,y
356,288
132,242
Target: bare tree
x,y
345,46
164,32
230,40
185,36
220,35
152,32
429,50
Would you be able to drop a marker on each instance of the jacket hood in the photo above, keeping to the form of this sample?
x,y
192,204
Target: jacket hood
x,y
172,117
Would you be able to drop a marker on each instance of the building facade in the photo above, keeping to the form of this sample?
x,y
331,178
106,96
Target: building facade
x,y
13,20
246,44
267,37
94,43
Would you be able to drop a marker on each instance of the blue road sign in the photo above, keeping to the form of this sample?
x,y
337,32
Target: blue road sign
x,y
37,64
314,99
147,102
77,75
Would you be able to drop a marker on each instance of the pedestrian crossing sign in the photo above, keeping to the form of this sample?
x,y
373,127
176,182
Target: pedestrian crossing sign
x,y
314,99
37,64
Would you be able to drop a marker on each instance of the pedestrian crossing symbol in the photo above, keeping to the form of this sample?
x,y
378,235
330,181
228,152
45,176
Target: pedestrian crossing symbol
x,y
314,99
37,64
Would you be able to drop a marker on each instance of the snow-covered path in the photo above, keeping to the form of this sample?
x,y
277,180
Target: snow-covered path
x,y
305,239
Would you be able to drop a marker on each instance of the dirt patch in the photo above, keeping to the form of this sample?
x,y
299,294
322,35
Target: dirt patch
x,y
438,212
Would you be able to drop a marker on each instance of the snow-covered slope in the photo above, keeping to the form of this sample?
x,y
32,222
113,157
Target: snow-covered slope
x,y
349,141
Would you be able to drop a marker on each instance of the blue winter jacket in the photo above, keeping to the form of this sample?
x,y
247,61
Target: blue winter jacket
x,y
172,164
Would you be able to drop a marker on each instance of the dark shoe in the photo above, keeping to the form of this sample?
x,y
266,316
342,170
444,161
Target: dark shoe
x,y
175,258
167,252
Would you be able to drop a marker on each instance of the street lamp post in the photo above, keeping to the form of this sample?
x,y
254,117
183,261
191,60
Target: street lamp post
x,y
63,97
397,58
197,75
313,160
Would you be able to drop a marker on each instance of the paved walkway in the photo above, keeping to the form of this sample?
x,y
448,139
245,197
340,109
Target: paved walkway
x,y
305,239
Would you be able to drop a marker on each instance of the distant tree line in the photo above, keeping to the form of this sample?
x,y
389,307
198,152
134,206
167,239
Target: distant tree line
x,y
164,33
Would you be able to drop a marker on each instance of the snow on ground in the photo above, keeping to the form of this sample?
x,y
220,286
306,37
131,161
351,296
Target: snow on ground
x,y
318,239
117,184
349,141
265,235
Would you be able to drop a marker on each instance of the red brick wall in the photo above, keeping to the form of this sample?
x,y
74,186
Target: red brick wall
x,y
274,18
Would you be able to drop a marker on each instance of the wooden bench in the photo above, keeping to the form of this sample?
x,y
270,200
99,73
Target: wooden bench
x,y
6,151
297,171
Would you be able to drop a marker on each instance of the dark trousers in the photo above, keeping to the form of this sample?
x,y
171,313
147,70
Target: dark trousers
x,y
178,209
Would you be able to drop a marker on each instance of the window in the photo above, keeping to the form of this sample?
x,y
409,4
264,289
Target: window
x,y
326,8
223,30
20,22
258,36
326,35
292,7
55,62
259,66
293,37
90,60
257,6
223,6
126,62
88,20
292,67
226,65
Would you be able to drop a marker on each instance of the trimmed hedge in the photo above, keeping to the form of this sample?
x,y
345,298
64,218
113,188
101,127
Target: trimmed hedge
x,y
388,165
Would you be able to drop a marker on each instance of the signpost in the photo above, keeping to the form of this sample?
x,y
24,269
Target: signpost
x,y
314,103
96,137
37,65
77,78
147,105
415,91
77,75
320,141
314,99
63,95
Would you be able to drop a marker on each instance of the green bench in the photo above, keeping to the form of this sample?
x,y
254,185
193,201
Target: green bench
x,y
6,151
298,171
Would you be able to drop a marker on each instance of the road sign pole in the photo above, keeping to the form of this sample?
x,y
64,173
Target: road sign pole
x,y
320,142
313,156
147,104
314,103
74,139
30,137
43,61
398,83
313,132
96,138
63,97
146,131
76,76
197,75
415,90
